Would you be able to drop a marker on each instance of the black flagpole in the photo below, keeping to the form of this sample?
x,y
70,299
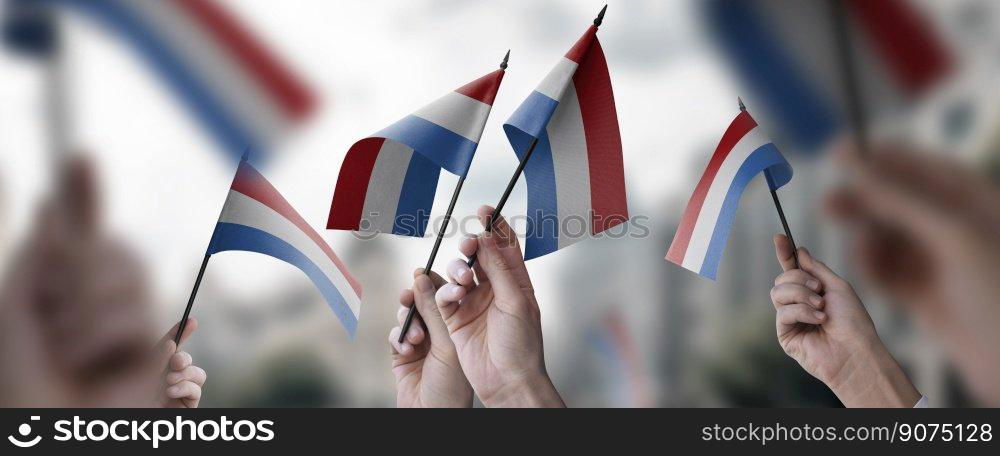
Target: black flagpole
x,y
856,110
781,212
440,235
197,281
520,166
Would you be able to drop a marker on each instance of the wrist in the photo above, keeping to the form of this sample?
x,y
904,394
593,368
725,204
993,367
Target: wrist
x,y
871,377
531,391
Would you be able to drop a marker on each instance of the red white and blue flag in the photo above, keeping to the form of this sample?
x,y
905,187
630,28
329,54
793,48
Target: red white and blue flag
x,y
256,218
744,152
239,90
786,54
388,180
575,175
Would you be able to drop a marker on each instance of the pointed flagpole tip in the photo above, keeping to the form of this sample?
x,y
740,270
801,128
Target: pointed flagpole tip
x,y
506,58
743,107
600,16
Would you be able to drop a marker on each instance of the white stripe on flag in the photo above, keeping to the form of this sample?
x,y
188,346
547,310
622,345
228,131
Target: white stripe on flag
x,y
384,187
556,82
572,169
704,227
243,210
216,67
460,114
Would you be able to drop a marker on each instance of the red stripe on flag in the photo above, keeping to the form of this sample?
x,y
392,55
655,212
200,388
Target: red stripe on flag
x,y
295,99
579,50
604,142
905,40
740,126
250,183
352,185
483,89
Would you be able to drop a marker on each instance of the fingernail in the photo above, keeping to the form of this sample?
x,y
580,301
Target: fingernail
x,y
819,315
813,284
816,300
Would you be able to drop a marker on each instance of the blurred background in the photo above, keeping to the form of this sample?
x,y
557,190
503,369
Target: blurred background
x,y
622,326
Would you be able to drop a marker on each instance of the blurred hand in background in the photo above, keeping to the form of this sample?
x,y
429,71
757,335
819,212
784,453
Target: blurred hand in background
x,y
822,323
76,316
426,366
927,233
495,323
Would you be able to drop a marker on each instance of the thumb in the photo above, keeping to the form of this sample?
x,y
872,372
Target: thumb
x,y
423,298
78,196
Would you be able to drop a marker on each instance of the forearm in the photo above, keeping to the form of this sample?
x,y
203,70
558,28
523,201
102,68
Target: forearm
x,y
873,378
535,391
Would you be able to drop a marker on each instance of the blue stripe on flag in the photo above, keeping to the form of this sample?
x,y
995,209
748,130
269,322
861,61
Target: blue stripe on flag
x,y
230,236
542,228
533,116
416,197
448,149
765,158
807,114
213,113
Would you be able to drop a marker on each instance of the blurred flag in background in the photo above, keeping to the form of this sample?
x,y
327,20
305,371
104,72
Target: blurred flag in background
x,y
785,52
239,90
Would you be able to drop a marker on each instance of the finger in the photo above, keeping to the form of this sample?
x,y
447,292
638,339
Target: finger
x,y
505,235
401,314
470,247
447,300
459,272
783,250
424,291
184,390
821,271
406,298
788,294
885,199
500,272
399,349
78,195
180,361
437,279
192,324
191,374
799,313
799,277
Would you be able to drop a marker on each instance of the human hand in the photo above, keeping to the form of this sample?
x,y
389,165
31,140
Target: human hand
x,y
822,323
927,235
494,321
183,380
426,365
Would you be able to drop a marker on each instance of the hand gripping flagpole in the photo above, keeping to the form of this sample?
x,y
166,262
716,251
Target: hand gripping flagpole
x,y
520,166
197,281
440,234
777,205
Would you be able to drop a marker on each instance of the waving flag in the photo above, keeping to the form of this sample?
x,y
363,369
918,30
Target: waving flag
x,y
388,180
576,178
786,53
239,90
256,218
744,152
